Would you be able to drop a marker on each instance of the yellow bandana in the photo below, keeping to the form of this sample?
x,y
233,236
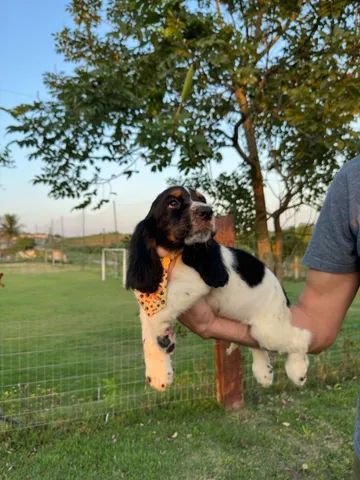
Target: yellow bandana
x,y
152,303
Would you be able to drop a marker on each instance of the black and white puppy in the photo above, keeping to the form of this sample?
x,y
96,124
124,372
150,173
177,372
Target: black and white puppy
x,y
234,283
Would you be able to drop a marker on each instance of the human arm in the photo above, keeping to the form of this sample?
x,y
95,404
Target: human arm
x,y
321,309
333,260
201,320
323,304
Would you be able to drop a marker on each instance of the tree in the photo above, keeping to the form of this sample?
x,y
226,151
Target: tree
x,y
296,239
276,81
9,226
5,159
25,243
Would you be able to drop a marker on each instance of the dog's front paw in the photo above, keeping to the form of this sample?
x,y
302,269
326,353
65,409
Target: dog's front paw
x,y
166,343
158,369
160,379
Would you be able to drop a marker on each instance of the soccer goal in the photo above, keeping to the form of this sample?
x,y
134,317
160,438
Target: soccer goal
x,y
114,263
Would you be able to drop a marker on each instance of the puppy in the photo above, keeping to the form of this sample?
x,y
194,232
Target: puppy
x,y
235,284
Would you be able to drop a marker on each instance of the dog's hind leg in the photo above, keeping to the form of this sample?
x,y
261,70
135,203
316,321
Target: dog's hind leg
x,y
296,368
261,367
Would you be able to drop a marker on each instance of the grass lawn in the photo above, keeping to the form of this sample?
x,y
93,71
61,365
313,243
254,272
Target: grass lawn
x,y
307,435
70,349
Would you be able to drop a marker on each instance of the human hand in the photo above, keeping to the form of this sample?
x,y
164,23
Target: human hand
x,y
201,320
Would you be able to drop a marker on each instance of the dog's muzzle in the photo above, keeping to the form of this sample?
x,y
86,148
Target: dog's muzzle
x,y
203,224
204,212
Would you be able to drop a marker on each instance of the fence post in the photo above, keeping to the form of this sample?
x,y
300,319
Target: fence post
x,y
103,264
296,268
229,372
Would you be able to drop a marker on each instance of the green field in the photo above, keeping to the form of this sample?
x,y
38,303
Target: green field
x,y
304,435
71,346
71,358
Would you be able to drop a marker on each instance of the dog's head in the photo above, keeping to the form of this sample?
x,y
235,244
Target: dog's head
x,y
181,217
177,217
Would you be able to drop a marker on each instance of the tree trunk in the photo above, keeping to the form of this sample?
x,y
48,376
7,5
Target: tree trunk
x,y
261,228
278,250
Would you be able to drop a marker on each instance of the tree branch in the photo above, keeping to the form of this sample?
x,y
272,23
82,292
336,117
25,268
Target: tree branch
x,y
275,39
285,204
226,135
244,19
235,139
259,22
282,62
218,12
279,211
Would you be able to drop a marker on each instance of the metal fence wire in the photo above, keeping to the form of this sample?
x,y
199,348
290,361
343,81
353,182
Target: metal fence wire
x,y
70,347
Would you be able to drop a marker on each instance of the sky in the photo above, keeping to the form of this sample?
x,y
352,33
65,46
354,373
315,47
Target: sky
x,y
27,51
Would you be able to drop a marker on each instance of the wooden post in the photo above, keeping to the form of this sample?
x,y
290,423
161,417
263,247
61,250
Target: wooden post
x,y
229,373
296,268
103,259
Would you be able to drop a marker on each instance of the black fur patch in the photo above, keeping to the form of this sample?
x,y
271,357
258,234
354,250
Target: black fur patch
x,y
144,270
206,259
250,268
288,304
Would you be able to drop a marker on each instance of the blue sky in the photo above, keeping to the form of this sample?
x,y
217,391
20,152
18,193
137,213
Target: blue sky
x,y
27,51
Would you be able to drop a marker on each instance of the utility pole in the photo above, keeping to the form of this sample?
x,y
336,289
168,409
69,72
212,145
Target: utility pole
x,y
115,217
83,239
83,225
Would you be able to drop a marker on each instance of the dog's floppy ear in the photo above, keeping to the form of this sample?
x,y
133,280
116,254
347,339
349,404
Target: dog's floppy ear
x,y
144,270
206,259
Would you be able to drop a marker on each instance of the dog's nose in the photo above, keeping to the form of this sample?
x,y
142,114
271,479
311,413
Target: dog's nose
x,y
205,212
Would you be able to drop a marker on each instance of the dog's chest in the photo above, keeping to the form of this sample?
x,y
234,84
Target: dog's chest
x,y
235,300
186,287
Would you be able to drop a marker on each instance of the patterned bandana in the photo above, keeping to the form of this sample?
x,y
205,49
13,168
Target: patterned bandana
x,y
152,303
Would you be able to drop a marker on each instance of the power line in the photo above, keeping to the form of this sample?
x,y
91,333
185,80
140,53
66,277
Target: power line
x,y
13,92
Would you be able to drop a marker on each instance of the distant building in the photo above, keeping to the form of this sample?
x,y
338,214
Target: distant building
x,y
40,238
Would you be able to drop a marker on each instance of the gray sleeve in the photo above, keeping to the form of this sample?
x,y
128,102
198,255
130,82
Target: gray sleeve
x,y
332,247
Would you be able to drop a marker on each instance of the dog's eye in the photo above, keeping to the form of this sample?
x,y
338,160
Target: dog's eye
x,y
173,203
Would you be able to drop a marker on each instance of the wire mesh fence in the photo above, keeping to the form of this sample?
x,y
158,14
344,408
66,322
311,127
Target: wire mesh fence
x,y
70,347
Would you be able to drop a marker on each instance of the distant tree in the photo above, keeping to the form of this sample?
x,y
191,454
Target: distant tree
x,y
25,243
9,226
5,159
296,239
276,81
